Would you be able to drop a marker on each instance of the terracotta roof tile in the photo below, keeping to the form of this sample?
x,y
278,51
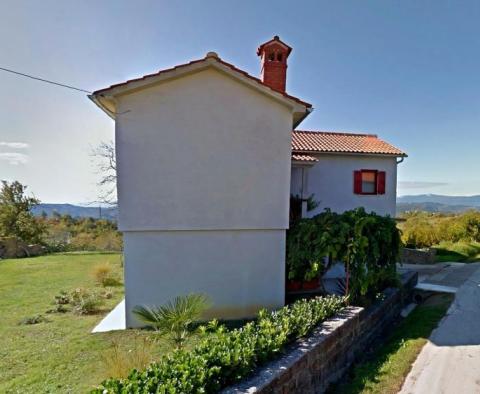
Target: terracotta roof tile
x,y
308,158
332,142
231,66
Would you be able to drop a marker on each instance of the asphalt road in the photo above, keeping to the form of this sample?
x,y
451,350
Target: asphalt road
x,y
450,362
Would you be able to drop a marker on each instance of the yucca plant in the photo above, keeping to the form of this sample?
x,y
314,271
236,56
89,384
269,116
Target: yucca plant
x,y
175,318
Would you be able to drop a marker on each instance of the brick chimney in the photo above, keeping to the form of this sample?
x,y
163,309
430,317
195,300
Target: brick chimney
x,y
274,54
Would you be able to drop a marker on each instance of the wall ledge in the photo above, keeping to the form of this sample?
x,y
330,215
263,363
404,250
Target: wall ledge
x,y
311,364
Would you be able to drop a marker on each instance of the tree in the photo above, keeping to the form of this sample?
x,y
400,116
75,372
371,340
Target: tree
x,y
16,218
106,165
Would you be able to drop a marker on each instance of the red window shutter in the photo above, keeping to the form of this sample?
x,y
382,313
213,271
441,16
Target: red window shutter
x,y
381,182
357,182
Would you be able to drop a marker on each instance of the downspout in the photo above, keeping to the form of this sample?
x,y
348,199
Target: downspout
x,y
302,195
398,161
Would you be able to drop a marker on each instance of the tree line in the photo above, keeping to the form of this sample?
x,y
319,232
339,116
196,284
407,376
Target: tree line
x,y
59,232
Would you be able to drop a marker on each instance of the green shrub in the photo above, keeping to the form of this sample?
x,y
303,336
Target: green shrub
x,y
85,301
35,319
175,318
367,243
58,308
225,357
62,298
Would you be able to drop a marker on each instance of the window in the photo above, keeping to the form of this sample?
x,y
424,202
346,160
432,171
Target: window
x,y
369,182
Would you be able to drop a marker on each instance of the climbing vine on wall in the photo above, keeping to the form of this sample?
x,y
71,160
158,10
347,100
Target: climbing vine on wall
x,y
368,245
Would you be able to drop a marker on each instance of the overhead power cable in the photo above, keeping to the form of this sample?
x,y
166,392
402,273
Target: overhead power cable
x,y
44,80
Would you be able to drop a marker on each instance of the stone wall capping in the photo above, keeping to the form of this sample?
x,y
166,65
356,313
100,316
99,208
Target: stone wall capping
x,y
310,364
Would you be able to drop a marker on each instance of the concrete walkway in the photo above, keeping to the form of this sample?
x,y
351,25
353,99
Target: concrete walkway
x,y
115,320
450,362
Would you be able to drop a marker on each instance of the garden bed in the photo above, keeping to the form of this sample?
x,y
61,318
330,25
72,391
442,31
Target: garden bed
x,y
313,363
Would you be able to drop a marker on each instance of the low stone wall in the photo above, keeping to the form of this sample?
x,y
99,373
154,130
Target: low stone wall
x,y
312,364
417,256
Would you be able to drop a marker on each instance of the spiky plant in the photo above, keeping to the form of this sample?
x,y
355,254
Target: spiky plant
x,y
175,318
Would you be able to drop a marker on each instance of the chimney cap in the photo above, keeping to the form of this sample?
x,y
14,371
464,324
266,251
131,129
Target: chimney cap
x,y
276,40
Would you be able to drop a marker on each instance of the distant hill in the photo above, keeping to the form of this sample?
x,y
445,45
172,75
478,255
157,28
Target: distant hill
x,y
437,203
470,201
76,211
421,202
432,207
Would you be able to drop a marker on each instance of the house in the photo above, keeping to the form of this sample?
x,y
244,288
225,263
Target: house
x,y
204,165
342,171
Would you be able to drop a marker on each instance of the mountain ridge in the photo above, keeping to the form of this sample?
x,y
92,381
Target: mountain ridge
x,y
419,202
76,211
472,201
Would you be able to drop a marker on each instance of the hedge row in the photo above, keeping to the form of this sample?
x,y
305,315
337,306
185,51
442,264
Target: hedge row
x,y
225,357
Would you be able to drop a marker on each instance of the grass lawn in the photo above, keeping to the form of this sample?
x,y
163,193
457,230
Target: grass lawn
x,y
384,371
466,252
60,355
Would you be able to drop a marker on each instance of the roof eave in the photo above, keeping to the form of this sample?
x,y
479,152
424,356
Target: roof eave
x,y
103,103
297,119
313,152
299,108
302,163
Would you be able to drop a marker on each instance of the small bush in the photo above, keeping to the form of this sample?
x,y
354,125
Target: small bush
x,y
175,318
58,308
104,275
107,294
224,357
35,319
63,298
85,301
111,241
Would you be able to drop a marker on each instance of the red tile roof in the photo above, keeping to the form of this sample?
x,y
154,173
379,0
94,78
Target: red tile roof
x,y
335,142
307,158
214,56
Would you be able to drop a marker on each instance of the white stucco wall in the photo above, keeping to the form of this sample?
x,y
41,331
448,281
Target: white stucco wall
x,y
202,152
203,176
331,182
241,271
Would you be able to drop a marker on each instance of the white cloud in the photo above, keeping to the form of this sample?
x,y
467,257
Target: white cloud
x,y
14,158
14,145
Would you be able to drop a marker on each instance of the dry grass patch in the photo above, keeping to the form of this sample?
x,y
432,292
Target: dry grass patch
x,y
104,274
120,360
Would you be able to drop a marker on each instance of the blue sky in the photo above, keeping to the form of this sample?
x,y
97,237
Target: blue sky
x,y
406,70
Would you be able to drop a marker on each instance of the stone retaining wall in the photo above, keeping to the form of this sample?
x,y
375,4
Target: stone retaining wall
x,y
311,364
418,256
